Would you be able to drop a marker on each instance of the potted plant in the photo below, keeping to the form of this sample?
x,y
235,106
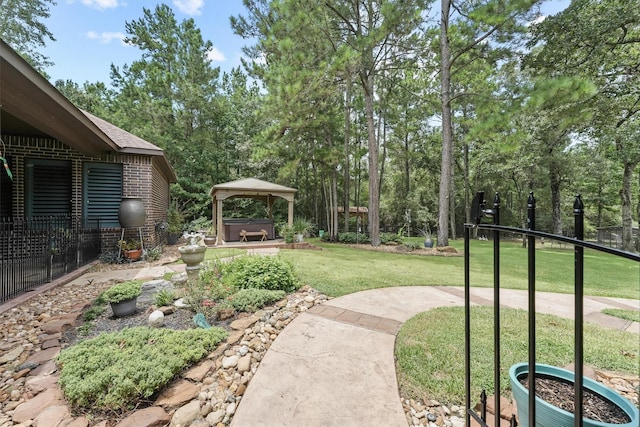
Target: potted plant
x,y
123,297
426,233
287,233
131,249
551,415
175,221
301,229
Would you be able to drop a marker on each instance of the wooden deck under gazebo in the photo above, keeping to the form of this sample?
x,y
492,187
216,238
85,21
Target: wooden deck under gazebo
x,y
232,229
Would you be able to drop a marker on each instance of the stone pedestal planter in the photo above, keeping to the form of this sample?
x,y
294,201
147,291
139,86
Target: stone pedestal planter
x,y
192,255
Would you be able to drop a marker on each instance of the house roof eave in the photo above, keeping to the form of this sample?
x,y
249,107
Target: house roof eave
x,y
26,94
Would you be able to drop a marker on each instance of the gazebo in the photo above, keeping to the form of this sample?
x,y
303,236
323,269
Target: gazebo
x,y
247,188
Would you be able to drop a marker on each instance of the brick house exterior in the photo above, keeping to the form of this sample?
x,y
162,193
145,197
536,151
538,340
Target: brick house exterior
x,y
44,135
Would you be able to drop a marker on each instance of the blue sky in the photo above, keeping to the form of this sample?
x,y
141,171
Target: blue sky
x,y
89,33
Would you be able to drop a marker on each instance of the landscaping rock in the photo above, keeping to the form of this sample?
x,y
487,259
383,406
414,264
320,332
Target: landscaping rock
x,y
154,416
178,393
151,288
186,414
156,319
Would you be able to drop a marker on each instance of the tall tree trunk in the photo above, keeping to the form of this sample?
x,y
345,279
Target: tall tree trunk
x,y
347,128
447,130
556,211
638,216
625,199
452,199
374,190
334,210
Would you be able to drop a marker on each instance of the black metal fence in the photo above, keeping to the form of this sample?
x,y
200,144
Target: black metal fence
x,y
35,251
478,213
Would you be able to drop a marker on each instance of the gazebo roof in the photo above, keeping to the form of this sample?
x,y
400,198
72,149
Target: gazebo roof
x,y
251,186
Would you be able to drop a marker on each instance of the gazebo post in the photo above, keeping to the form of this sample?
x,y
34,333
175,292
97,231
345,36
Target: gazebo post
x,y
214,221
290,216
220,231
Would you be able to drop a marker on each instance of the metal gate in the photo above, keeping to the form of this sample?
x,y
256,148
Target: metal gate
x,y
480,212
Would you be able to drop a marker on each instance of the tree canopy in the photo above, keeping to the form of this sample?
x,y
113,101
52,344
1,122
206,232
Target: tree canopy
x,y
406,107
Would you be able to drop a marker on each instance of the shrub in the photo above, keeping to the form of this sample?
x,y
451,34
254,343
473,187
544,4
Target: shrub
x,y
386,238
254,299
287,232
154,254
261,272
114,371
352,238
122,291
164,297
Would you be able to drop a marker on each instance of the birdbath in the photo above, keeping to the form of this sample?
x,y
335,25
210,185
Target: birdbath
x,y
192,254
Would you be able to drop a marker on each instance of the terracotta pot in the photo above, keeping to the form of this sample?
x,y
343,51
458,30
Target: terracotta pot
x,y
131,212
132,255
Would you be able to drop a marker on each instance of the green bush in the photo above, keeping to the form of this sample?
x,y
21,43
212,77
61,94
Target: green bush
x,y
114,371
122,291
254,299
386,238
352,238
164,297
261,272
212,279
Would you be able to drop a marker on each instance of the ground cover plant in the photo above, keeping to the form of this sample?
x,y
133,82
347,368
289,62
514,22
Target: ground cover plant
x,y
426,343
116,371
339,269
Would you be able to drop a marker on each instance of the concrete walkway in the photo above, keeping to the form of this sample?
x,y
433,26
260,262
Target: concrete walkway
x,y
334,365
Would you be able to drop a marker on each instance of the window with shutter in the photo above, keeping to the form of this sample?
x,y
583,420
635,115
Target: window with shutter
x,y
48,187
102,184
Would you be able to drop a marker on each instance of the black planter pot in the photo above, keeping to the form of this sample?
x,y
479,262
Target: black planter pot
x,y
172,238
132,212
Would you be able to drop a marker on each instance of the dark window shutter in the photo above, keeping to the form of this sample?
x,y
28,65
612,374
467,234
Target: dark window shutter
x,y
49,187
102,193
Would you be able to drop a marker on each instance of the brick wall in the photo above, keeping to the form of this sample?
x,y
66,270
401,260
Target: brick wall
x,y
140,179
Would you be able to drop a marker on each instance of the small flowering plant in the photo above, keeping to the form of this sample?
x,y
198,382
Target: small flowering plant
x,y
193,238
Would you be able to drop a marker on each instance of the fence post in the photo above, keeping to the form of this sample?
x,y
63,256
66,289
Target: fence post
x,y
531,269
496,307
578,213
467,325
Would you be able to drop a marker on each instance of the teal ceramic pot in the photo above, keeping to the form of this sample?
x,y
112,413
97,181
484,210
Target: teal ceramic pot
x,y
548,415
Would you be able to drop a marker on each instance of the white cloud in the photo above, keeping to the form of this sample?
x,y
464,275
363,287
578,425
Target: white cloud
x,y
101,4
189,7
214,55
106,37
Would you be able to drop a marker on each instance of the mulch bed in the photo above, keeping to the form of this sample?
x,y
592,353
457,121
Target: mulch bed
x,y
560,394
402,249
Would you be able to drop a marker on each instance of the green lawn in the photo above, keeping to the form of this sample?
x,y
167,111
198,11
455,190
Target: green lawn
x,y
339,270
426,343
429,347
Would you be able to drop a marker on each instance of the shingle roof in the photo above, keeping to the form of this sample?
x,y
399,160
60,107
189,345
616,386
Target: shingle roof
x,y
127,142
